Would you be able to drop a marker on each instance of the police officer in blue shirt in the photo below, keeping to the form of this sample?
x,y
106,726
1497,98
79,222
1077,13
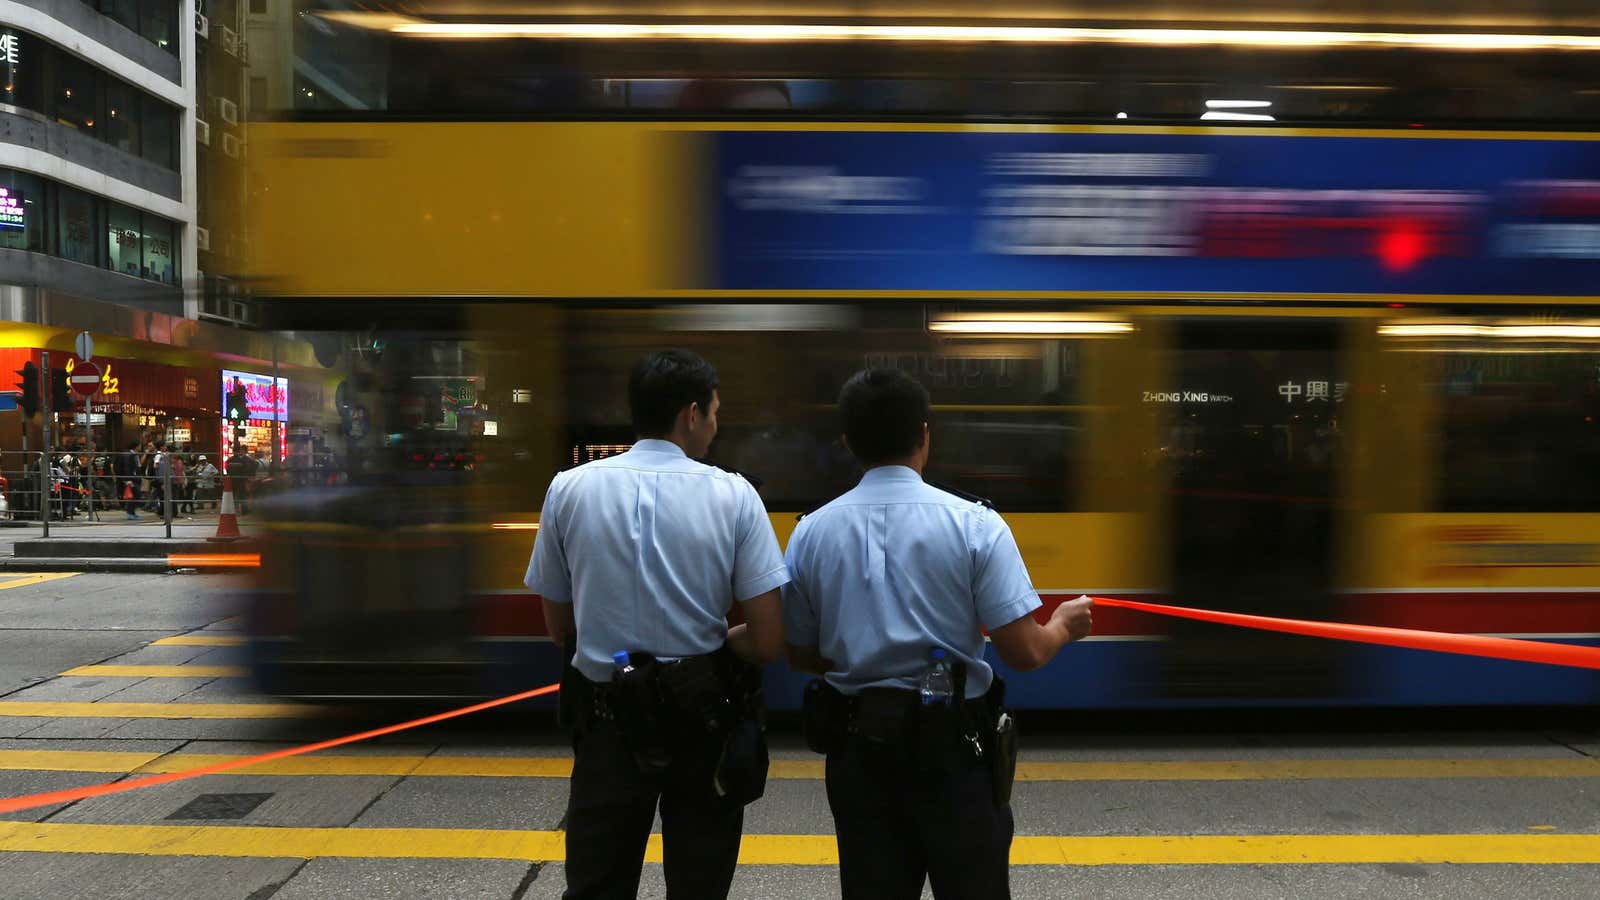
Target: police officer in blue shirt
x,y
881,576
644,554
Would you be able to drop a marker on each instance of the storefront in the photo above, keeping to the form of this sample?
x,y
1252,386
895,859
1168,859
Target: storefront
x,y
266,407
137,402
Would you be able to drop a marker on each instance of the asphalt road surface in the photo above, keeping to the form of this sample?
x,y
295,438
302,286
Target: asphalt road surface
x,y
102,676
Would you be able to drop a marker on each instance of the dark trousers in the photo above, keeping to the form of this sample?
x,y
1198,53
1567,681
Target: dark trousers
x,y
897,826
613,806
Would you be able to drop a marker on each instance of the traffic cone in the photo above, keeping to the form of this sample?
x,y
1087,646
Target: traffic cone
x,y
227,521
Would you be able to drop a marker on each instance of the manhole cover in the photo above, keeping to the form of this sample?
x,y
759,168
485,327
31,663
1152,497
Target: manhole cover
x,y
221,806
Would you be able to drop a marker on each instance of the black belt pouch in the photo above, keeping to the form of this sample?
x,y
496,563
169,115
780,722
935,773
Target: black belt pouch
x,y
741,775
1003,761
822,715
574,698
636,705
696,689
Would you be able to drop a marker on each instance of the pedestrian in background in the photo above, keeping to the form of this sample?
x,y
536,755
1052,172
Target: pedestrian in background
x,y
205,481
127,471
147,476
893,585
242,469
184,503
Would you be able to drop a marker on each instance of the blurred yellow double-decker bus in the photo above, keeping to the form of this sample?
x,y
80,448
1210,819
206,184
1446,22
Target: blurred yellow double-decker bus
x,y
1337,361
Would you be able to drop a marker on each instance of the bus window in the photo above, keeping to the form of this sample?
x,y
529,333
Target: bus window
x,y
1517,431
1007,415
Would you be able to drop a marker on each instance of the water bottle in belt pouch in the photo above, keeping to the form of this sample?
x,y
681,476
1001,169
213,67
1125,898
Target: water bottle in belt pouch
x,y
943,738
636,704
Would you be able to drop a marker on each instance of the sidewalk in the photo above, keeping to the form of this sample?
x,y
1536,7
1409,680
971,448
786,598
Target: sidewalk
x,y
117,544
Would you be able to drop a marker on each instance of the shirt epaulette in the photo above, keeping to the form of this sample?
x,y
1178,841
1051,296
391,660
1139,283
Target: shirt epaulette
x,y
982,501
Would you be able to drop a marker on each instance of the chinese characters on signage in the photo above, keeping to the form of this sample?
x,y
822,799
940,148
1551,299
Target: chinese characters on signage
x,y
10,49
13,210
109,383
258,391
1311,391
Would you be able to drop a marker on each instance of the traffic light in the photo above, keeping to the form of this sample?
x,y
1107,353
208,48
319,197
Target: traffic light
x,y
28,400
60,390
238,405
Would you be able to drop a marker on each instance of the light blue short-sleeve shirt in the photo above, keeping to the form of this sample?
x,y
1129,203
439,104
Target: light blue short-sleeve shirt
x,y
894,567
652,549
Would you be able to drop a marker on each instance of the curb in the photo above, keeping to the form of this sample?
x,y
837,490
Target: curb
x,y
103,564
125,548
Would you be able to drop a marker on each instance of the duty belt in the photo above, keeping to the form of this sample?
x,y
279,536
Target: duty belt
x,y
890,714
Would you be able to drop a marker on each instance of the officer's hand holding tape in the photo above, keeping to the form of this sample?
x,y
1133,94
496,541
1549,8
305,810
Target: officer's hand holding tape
x,y
1075,617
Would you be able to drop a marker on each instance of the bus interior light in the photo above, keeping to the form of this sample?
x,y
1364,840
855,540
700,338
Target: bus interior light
x,y
1031,327
1511,330
1215,116
780,32
1238,104
762,317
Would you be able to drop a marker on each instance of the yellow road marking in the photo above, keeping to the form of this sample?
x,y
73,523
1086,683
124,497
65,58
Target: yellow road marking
x,y
23,579
200,640
108,671
109,710
808,769
74,761
799,849
1304,769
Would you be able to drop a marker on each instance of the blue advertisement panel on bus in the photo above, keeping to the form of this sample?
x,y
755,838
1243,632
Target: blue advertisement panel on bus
x,y
1157,213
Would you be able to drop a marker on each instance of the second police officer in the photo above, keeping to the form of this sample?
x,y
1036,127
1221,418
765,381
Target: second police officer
x,y
893,585
638,560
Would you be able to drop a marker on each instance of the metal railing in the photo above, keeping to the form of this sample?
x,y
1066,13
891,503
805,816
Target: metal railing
x,y
77,488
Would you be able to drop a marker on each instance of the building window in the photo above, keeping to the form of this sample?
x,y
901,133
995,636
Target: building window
x,y
77,224
19,71
258,94
46,79
160,133
21,211
42,216
160,250
124,247
123,11
156,20
122,116
76,93
258,7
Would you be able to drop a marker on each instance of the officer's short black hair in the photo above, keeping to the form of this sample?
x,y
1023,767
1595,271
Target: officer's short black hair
x,y
883,411
662,384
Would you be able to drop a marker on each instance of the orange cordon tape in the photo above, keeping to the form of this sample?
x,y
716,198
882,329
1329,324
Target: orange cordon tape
x,y
32,801
1467,644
